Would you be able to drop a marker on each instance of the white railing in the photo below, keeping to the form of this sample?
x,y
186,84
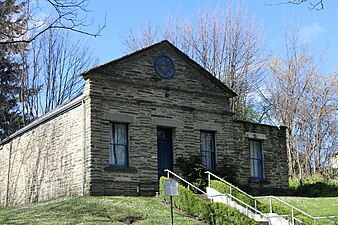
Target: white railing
x,y
254,198
247,206
185,181
231,186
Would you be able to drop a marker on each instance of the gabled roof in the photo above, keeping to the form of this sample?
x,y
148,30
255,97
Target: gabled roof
x,y
179,52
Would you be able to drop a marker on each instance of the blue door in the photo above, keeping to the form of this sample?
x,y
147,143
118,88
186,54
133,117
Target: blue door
x,y
164,150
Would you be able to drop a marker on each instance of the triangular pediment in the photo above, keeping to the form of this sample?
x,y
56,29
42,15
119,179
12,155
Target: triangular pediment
x,y
142,67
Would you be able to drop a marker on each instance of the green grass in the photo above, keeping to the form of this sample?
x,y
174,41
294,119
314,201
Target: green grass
x,y
93,210
325,206
317,207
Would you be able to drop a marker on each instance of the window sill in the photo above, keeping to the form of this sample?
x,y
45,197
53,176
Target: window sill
x,y
120,169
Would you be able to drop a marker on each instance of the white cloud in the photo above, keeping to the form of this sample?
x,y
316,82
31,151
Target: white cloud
x,y
310,32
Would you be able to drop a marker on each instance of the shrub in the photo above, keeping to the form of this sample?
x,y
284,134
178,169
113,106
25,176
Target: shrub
x,y
314,186
224,188
212,213
192,169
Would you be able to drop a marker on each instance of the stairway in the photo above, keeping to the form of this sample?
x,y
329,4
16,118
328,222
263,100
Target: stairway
x,y
252,212
268,219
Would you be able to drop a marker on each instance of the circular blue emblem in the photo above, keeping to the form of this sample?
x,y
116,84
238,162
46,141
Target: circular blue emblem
x,y
164,66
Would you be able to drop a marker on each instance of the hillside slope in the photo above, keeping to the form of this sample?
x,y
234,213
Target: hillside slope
x,y
93,210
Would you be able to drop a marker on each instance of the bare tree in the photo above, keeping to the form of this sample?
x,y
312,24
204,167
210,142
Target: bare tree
x,y
62,14
53,66
303,99
313,4
228,43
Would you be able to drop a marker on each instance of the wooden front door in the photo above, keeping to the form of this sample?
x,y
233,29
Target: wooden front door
x,y
164,150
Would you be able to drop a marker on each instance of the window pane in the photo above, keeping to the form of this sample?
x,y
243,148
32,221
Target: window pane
x,y
251,149
256,168
121,155
111,149
112,155
112,133
256,162
208,149
257,150
260,169
121,134
252,167
118,145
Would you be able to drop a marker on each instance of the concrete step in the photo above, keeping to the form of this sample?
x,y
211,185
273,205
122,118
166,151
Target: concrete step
x,y
268,219
276,219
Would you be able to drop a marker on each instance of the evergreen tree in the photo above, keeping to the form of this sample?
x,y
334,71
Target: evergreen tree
x,y
12,23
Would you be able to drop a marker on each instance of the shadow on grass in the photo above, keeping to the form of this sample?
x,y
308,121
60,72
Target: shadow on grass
x,y
317,189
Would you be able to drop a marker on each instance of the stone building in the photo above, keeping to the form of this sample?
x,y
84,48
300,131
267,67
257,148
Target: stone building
x,y
135,116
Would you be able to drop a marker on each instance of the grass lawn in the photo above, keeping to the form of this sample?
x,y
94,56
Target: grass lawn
x,y
93,210
317,207
324,206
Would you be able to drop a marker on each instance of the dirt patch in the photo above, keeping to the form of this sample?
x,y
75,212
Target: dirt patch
x,y
130,219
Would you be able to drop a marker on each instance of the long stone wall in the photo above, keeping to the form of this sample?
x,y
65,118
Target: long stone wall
x,y
45,162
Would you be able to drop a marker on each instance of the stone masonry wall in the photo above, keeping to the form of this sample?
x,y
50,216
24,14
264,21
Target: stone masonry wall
x,y
131,92
45,162
275,167
69,153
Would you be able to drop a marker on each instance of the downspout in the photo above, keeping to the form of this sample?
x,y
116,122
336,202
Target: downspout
x,y
84,148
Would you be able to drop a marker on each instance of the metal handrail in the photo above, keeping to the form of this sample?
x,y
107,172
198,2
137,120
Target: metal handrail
x,y
256,211
285,203
231,185
254,198
325,217
333,218
246,204
185,181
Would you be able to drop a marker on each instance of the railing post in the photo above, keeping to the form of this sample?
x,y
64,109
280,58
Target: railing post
x,y
228,199
314,221
168,175
209,181
292,217
230,190
255,203
270,205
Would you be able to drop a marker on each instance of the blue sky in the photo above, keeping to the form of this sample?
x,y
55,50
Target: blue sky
x,y
318,28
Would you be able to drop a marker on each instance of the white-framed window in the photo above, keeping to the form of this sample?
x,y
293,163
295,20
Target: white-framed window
x,y
118,145
208,149
256,159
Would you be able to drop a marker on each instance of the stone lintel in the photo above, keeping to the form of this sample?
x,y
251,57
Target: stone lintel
x,y
256,136
208,126
165,122
119,117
